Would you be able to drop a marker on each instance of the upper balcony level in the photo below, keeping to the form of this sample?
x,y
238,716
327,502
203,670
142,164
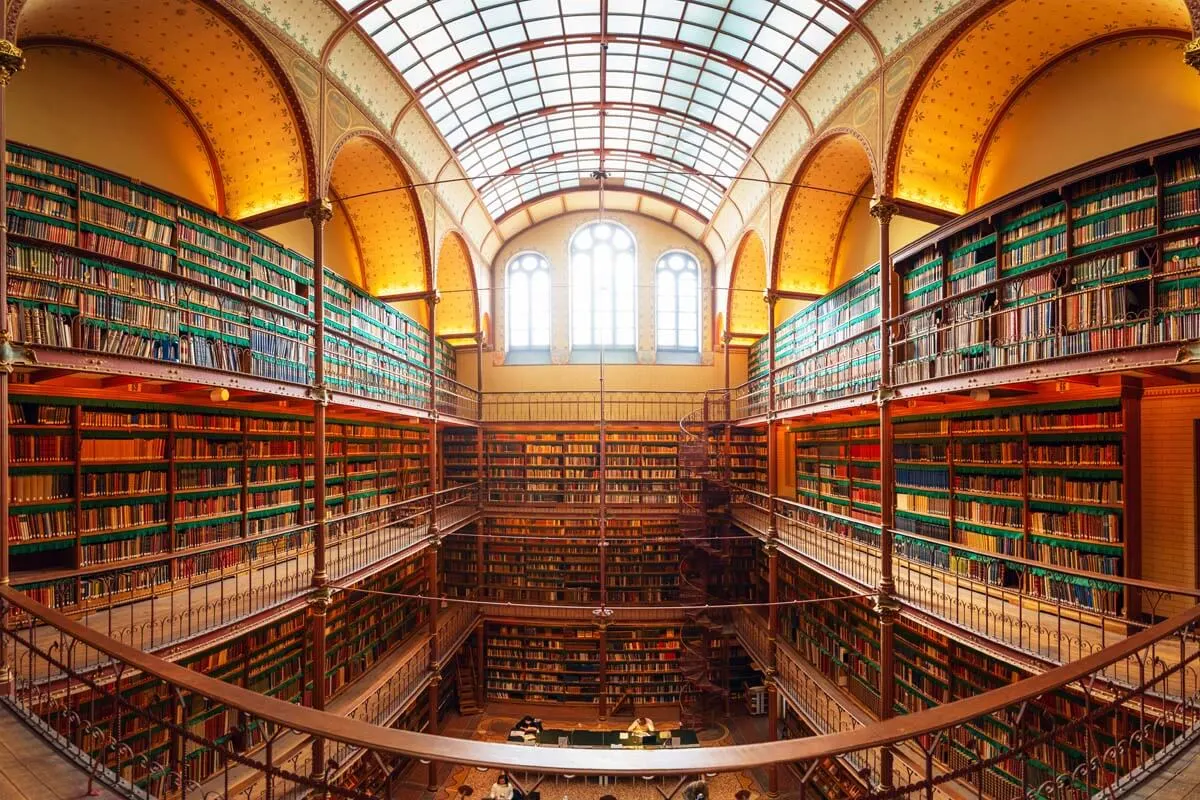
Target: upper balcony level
x,y
1091,270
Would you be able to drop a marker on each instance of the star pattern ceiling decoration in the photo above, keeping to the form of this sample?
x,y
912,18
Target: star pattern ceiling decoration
x,y
667,97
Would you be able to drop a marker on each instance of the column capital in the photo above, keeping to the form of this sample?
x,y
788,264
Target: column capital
x,y
320,599
12,61
320,210
886,604
770,297
320,394
1191,54
883,209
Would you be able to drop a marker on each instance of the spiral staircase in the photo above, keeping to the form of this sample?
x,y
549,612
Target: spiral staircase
x,y
706,632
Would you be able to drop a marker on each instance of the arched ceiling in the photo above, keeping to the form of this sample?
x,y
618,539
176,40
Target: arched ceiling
x,y
976,74
747,311
457,310
374,191
615,199
669,96
227,84
826,187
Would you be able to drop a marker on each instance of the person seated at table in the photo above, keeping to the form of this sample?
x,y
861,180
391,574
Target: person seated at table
x,y
696,790
501,789
529,723
642,726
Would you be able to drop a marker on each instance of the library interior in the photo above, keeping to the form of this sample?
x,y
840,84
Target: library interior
x,y
600,399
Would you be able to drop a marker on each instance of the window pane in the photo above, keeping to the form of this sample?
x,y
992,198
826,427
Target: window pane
x,y
603,286
678,277
528,310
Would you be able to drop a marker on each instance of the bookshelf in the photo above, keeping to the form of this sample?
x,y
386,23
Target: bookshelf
x,y
555,560
840,639
114,498
837,468
272,659
829,349
1047,482
102,263
747,457
1078,264
532,466
643,662
542,663
460,456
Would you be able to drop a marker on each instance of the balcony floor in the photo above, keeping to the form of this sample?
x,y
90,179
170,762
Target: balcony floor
x,y
30,769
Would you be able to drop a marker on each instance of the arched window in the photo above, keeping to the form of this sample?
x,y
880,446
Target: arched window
x,y
603,287
677,277
528,312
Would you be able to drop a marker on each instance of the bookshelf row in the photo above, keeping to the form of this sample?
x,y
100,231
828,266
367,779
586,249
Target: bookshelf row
x,y
1100,260
1052,483
827,350
546,561
534,466
102,263
841,640
563,664
113,495
274,660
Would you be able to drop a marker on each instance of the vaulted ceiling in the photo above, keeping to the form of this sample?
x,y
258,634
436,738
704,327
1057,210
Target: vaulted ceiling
x,y
668,98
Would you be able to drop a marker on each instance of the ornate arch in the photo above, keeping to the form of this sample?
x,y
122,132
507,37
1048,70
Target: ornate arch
x,y
369,181
454,278
970,77
746,311
242,97
827,184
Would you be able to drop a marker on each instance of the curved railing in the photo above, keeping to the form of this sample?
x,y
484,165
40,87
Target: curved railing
x,y
1048,630
1161,712
359,543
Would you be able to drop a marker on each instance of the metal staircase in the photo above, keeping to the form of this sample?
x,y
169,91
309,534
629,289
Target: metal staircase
x,y
705,633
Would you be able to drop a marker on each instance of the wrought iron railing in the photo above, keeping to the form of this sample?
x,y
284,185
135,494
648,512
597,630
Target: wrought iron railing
x,y
135,743
1049,630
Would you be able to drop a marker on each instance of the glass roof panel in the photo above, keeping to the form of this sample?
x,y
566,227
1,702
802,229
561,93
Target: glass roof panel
x,y
690,85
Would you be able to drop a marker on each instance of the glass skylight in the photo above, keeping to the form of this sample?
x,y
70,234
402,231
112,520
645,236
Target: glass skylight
x,y
529,100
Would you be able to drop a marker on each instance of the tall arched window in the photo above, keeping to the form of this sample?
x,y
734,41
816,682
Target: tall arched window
x,y
677,277
528,312
603,287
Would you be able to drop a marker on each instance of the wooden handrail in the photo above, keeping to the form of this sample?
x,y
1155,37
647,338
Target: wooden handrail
x,y
621,762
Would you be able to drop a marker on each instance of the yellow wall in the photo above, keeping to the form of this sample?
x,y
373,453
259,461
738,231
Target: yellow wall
x,y
85,105
1103,100
585,377
859,247
340,254
552,239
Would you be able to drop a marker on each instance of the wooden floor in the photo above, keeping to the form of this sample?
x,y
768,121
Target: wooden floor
x,y
30,769
1177,780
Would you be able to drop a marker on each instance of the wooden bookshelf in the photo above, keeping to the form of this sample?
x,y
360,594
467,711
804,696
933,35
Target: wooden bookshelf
x,y
100,262
115,497
837,468
543,663
536,466
840,639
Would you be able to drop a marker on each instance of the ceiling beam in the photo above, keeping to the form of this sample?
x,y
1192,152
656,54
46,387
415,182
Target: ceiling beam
x,y
278,216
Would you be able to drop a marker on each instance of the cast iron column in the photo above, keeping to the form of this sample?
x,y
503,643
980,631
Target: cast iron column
x,y
883,209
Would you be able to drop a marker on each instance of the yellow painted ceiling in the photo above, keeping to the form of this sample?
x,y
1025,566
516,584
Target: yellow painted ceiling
x,y
386,220
228,87
816,213
747,311
456,314
976,75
